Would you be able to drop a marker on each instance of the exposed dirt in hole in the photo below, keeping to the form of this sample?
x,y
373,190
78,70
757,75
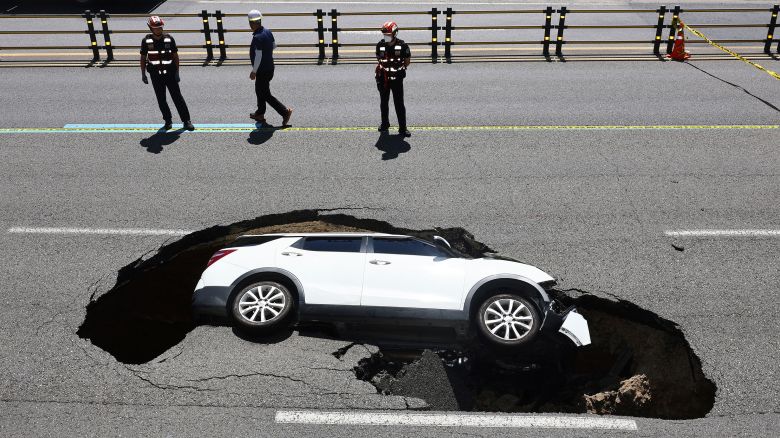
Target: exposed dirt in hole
x,y
639,364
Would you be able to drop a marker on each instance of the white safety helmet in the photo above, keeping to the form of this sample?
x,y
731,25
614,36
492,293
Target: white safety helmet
x,y
254,15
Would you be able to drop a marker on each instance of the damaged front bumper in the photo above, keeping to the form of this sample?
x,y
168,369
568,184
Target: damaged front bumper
x,y
567,322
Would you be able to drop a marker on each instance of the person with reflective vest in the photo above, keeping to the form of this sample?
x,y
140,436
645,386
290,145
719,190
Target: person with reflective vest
x,y
393,57
160,58
261,54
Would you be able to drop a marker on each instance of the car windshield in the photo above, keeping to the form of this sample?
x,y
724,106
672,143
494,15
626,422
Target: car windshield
x,y
502,257
452,252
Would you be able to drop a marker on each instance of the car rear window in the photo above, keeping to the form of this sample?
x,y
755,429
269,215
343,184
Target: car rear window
x,y
406,247
332,244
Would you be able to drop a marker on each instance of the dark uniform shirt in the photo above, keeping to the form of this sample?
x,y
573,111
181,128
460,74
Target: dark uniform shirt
x,y
391,58
159,53
263,40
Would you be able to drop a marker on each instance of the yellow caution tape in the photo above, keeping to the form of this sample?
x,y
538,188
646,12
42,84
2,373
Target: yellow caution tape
x,y
732,53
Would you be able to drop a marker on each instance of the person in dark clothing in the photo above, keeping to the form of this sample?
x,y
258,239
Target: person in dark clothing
x,y
159,57
261,53
393,57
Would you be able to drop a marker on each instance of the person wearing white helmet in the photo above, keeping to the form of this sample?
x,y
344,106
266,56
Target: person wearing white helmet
x,y
160,57
393,57
261,54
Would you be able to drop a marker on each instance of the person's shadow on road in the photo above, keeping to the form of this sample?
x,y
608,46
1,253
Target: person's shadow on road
x,y
261,134
155,143
391,145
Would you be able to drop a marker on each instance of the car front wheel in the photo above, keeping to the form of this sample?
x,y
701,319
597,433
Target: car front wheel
x,y
508,320
261,305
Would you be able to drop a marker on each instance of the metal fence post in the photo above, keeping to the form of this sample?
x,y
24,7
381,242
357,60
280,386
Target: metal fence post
x,y
92,37
221,35
448,35
547,26
434,35
106,35
561,27
659,30
771,33
334,32
320,34
207,35
673,29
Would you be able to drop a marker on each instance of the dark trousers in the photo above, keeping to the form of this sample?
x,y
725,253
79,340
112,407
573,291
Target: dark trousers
x,y
162,81
263,91
397,88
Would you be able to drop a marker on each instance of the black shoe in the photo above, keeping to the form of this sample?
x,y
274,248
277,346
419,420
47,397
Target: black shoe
x,y
167,126
404,132
286,118
384,128
188,126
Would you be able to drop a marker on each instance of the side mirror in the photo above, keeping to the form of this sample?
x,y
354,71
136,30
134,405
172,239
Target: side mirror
x,y
442,240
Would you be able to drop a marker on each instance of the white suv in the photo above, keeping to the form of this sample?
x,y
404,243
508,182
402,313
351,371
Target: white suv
x,y
265,281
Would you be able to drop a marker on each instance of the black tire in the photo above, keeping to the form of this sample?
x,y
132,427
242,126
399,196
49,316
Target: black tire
x,y
252,307
497,329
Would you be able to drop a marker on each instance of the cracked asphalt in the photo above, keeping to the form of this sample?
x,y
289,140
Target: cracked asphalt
x,y
590,207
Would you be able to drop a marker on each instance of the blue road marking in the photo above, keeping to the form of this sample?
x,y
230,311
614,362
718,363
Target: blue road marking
x,y
153,125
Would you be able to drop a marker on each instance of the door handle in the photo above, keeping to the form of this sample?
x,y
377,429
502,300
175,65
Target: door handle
x,y
379,262
290,253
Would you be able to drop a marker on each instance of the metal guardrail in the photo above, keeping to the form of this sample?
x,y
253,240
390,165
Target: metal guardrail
x,y
551,34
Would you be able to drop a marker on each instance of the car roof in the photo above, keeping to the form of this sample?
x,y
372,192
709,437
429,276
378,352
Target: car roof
x,y
343,234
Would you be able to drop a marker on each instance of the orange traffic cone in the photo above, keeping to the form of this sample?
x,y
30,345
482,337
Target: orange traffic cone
x,y
678,52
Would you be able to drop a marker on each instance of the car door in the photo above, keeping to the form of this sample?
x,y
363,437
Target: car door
x,y
408,273
330,269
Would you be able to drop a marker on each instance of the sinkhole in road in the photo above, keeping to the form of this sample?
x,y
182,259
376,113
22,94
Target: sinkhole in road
x,y
639,363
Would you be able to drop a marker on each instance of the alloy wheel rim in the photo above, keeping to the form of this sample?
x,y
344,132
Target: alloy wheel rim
x,y
508,319
262,303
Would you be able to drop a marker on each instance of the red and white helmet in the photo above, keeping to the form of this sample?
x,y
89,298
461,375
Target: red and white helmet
x,y
390,28
155,21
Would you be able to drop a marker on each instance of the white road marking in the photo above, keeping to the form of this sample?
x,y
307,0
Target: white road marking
x,y
433,2
99,231
454,420
410,3
723,233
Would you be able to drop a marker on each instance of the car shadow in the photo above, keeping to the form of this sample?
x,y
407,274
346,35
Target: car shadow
x,y
264,338
155,143
335,331
399,338
391,146
262,133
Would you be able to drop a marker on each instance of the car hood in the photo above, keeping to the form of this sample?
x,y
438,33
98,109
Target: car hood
x,y
493,266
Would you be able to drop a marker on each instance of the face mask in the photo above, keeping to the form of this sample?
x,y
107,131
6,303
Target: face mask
x,y
388,38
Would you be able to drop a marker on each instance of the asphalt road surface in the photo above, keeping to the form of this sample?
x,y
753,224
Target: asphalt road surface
x,y
505,150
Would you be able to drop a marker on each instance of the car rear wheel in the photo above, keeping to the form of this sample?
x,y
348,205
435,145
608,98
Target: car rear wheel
x,y
508,320
261,305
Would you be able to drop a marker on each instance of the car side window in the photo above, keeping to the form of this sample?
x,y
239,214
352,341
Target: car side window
x,y
332,244
384,245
